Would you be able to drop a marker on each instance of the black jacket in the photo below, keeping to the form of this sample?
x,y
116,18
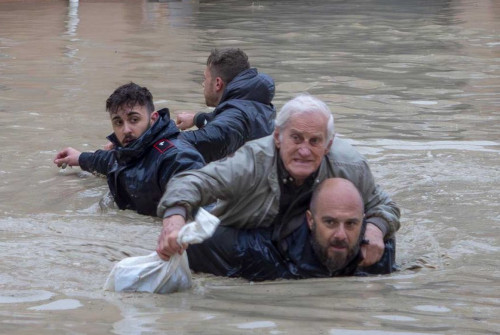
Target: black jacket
x,y
252,254
244,113
138,173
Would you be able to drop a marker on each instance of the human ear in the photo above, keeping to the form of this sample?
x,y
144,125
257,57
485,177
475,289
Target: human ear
x,y
330,143
154,116
276,136
309,218
219,84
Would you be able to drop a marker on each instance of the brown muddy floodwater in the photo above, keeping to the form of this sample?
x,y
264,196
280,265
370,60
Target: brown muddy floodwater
x,y
415,84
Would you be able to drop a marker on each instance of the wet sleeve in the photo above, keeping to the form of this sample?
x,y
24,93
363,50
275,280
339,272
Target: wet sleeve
x,y
380,209
99,161
201,119
220,180
181,160
220,137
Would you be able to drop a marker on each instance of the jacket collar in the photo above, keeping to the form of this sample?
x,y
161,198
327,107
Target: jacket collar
x,y
250,85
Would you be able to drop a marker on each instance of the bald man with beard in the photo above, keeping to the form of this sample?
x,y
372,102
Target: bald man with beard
x,y
326,243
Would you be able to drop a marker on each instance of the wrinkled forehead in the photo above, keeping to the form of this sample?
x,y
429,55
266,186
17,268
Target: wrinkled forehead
x,y
312,122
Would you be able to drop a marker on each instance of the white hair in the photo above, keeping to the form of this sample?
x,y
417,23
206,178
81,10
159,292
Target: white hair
x,y
305,103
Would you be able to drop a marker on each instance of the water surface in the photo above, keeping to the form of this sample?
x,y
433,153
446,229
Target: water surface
x,y
414,84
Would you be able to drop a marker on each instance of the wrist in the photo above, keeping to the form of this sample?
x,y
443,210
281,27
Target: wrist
x,y
177,210
380,223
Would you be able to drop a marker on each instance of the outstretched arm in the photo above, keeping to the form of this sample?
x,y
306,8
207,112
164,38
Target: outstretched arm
x,y
67,156
221,136
188,119
186,158
184,120
100,161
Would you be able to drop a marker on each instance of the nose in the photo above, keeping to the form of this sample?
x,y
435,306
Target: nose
x,y
127,129
339,233
304,150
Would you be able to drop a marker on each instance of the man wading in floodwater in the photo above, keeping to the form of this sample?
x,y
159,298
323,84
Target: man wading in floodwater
x,y
146,151
242,100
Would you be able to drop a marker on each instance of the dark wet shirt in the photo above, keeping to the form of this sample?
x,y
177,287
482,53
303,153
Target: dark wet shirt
x,y
294,200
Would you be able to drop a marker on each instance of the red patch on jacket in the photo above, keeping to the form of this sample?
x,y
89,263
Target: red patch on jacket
x,y
163,145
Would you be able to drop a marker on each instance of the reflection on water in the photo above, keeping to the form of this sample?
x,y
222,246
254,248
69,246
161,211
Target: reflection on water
x,y
72,22
414,85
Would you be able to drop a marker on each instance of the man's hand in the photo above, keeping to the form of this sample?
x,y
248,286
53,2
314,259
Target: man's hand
x,y
167,241
68,156
185,120
373,251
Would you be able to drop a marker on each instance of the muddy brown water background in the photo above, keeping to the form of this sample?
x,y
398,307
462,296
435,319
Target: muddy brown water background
x,y
415,84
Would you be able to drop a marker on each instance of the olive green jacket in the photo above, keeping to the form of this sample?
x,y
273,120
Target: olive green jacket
x,y
246,188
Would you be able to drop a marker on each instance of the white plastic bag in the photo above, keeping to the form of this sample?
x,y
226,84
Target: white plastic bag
x,y
152,274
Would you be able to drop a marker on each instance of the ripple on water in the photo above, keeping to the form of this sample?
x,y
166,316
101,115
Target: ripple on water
x,y
20,296
433,308
372,332
63,304
256,325
395,317
423,102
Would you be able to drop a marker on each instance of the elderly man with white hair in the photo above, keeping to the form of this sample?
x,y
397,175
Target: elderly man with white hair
x,y
269,179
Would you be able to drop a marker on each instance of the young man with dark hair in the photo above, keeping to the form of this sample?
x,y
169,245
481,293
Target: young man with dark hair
x,y
146,151
243,109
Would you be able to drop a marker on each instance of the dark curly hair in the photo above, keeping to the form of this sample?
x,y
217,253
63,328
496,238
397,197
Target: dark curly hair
x,y
129,95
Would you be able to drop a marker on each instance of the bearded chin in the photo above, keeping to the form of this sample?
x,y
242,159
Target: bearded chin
x,y
335,262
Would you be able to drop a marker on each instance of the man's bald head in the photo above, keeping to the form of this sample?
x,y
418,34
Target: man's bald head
x,y
335,217
336,191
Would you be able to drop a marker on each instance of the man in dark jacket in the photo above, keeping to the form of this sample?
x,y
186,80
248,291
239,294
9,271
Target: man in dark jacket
x,y
325,244
243,112
146,151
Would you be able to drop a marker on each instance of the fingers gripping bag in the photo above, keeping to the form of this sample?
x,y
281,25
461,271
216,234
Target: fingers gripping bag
x,y
152,274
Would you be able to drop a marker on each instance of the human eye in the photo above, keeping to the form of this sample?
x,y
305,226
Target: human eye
x,y
329,222
315,141
295,138
351,224
117,122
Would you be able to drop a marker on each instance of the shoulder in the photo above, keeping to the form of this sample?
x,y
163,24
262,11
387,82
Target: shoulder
x,y
175,152
343,152
263,146
255,154
173,146
230,106
163,145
